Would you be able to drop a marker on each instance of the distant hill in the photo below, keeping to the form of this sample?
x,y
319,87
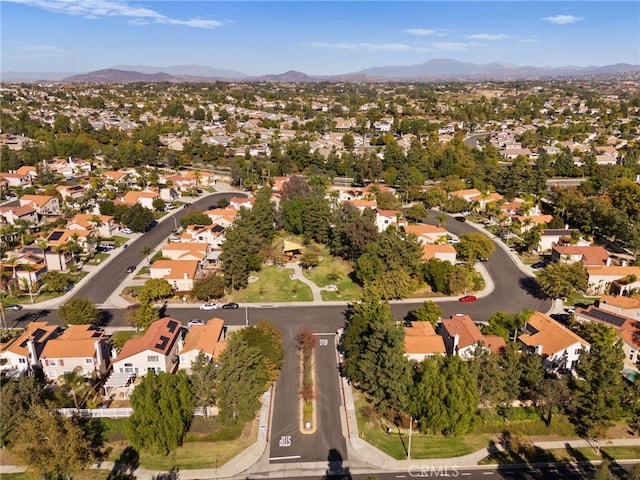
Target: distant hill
x,y
449,68
184,70
431,70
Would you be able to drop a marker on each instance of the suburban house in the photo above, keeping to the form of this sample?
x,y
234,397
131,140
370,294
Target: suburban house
x,y
625,306
529,222
427,233
213,234
386,218
620,280
83,237
222,216
626,328
17,180
71,192
208,339
80,348
186,251
485,199
45,205
237,202
362,205
559,347
421,341
561,236
468,194
156,350
144,198
462,336
26,213
589,256
23,352
439,251
179,273
104,225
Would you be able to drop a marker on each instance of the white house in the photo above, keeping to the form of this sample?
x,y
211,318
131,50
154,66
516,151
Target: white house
x,y
156,350
462,337
23,352
208,339
621,279
179,273
80,348
558,346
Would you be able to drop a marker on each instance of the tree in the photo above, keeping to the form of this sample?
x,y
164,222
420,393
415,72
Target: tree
x,y
54,281
195,218
241,379
210,286
265,337
598,389
490,378
387,201
158,204
429,311
51,445
146,251
144,316
79,311
203,379
162,411
474,246
560,280
444,399
155,289
417,213
25,393
138,218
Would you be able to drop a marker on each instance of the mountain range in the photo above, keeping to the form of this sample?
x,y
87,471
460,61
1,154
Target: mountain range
x,y
431,70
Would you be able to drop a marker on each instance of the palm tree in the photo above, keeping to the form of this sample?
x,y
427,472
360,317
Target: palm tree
x,y
146,250
441,218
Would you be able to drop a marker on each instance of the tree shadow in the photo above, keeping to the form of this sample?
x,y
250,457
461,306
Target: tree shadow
x,y
173,474
104,317
336,470
125,465
614,467
530,285
576,454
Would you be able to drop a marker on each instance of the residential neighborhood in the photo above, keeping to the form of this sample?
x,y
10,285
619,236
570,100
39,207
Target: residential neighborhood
x,y
480,256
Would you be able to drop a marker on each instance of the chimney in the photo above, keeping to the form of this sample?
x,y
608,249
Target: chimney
x,y
114,353
539,349
33,354
456,340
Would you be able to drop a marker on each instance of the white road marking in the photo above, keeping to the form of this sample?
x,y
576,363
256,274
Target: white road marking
x,y
290,457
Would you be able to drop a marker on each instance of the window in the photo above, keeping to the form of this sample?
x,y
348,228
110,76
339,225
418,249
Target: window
x,y
88,361
22,360
152,358
52,363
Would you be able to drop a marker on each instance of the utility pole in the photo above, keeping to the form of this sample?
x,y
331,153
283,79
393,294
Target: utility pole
x,y
409,446
246,315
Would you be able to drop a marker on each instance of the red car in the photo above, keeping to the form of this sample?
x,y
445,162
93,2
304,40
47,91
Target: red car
x,y
468,298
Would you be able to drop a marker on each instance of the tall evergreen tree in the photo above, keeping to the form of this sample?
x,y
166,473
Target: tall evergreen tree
x,y
162,411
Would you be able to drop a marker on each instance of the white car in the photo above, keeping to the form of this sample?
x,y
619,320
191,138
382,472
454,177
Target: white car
x,y
209,306
127,231
195,321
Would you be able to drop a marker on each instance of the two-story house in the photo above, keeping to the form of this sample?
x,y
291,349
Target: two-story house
x,y
81,348
558,346
156,350
45,205
422,341
22,353
462,337
208,339
179,273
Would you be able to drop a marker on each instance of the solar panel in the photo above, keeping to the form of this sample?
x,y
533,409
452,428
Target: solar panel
x,y
172,326
605,317
162,343
55,235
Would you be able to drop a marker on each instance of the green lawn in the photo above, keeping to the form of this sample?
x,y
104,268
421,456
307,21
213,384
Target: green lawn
x,y
98,258
335,271
568,454
274,285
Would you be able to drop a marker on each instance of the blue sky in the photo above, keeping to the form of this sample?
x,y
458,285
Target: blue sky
x,y
318,38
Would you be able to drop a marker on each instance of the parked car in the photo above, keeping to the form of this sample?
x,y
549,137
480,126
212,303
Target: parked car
x,y
539,265
186,205
454,240
130,268
195,321
209,306
461,218
468,298
227,306
571,310
13,308
67,287
127,231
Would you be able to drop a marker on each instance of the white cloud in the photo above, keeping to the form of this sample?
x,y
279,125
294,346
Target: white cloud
x,y
422,32
562,19
370,47
488,36
109,8
454,46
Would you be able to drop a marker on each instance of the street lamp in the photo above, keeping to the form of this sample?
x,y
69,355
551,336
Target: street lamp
x,y
409,443
246,315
